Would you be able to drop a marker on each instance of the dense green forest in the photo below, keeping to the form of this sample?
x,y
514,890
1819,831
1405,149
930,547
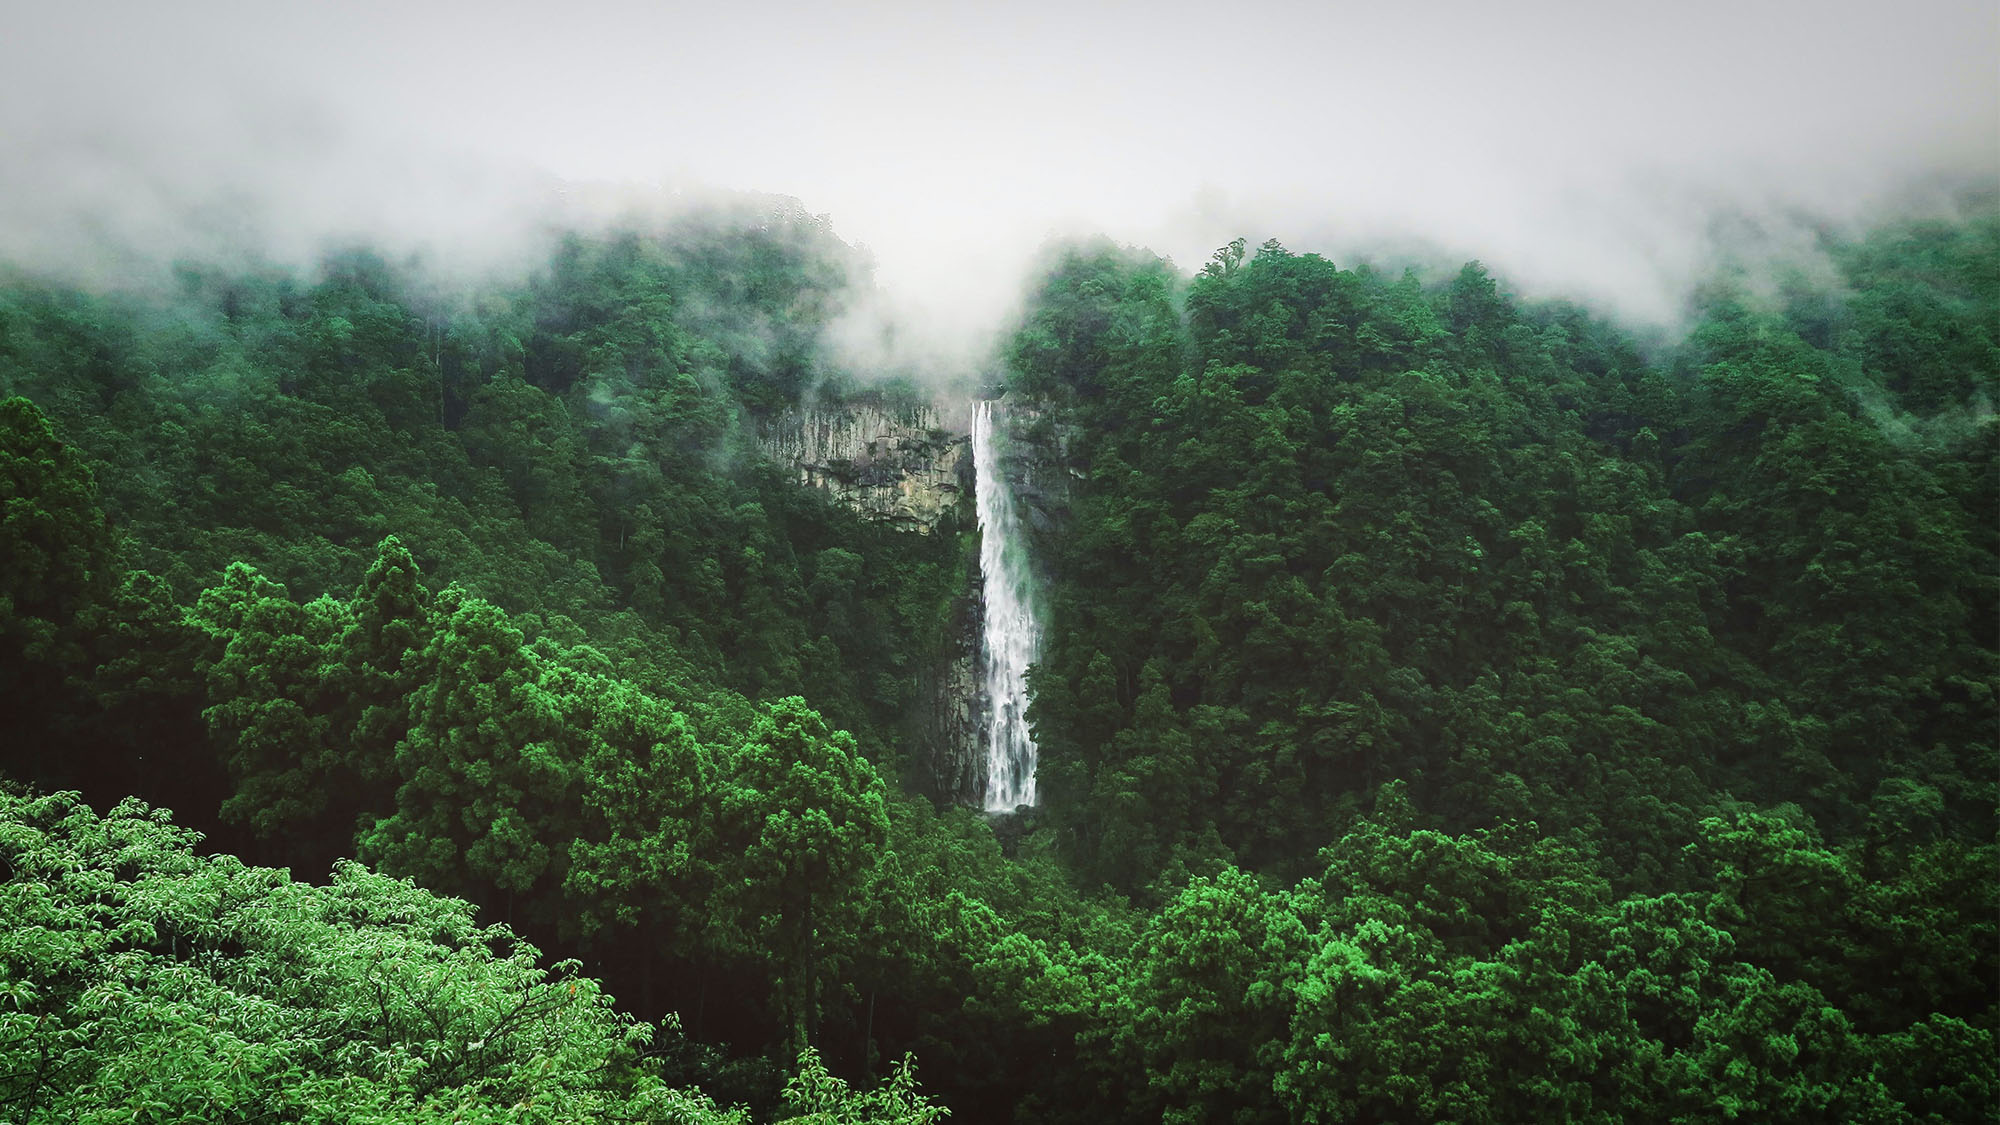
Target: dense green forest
x,y
1451,707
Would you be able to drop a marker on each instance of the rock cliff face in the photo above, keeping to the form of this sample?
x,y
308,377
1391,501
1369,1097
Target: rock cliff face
x,y
905,465
951,723
1038,467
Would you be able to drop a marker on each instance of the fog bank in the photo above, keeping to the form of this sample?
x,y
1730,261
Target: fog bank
x,y
1597,151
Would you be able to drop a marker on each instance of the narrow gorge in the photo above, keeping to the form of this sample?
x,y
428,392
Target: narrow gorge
x,y
912,466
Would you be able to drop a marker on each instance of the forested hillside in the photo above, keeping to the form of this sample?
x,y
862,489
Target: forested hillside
x,y
1340,530
1449,708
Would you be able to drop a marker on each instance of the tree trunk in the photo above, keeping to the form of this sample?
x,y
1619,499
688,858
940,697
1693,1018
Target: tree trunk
x,y
801,1033
646,947
868,1042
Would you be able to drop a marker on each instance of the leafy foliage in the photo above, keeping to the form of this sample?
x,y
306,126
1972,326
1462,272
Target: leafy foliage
x,y
142,978
1450,709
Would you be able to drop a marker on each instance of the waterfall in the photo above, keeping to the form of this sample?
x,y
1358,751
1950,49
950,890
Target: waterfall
x,y
1010,635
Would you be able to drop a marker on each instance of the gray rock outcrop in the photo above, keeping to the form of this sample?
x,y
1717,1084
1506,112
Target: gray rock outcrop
x,y
905,465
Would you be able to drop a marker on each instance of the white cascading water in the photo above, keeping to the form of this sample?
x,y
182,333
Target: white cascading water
x,y
1011,635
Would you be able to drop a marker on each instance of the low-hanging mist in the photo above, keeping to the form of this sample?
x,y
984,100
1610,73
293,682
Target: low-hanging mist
x,y
1582,151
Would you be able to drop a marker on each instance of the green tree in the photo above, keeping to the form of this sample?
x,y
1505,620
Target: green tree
x,y
801,820
1208,1000
488,767
58,552
646,858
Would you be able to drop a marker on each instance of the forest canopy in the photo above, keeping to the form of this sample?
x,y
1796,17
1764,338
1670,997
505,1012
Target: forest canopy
x,y
1450,707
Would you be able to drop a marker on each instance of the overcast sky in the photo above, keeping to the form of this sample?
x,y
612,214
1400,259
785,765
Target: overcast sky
x,y
1578,148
